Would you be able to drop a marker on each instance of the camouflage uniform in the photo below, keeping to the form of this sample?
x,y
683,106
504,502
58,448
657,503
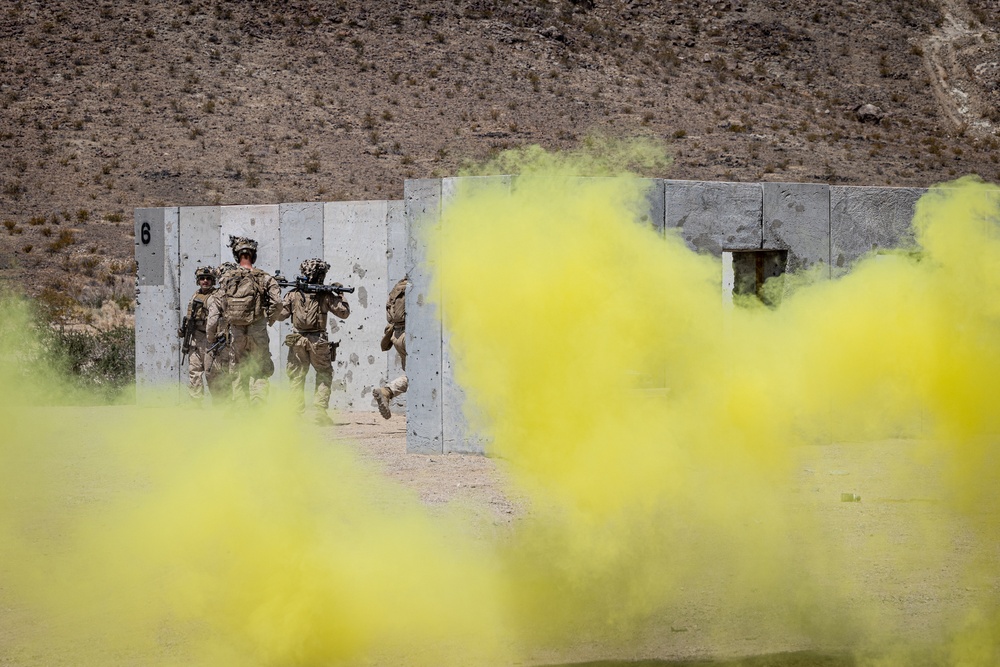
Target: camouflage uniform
x,y
220,377
394,336
308,345
197,315
249,343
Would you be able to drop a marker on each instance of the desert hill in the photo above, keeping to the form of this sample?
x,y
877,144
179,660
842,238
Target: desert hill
x,y
105,107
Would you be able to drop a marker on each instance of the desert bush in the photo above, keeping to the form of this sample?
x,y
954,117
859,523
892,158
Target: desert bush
x,y
100,362
64,240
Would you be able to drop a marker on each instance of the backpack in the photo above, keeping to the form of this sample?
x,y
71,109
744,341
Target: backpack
x,y
243,298
395,307
306,312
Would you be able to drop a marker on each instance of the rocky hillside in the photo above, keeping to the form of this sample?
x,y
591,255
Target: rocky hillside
x,y
105,107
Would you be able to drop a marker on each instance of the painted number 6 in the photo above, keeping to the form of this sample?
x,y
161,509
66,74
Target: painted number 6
x,y
144,233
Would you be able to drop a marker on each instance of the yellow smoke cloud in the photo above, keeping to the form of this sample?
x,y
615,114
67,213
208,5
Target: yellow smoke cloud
x,y
563,311
177,536
679,457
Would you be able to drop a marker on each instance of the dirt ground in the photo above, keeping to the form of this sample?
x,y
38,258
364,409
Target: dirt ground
x,y
923,600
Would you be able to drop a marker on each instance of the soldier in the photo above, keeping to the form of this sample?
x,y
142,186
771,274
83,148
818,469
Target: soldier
x,y
193,332
218,371
394,336
308,345
250,299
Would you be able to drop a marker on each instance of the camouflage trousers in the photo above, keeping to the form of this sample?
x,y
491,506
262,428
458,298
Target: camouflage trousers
x,y
219,376
252,365
203,369
307,350
197,363
400,384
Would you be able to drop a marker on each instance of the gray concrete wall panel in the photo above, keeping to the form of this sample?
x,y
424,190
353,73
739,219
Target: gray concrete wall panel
x,y
261,224
796,217
150,246
712,217
458,413
355,248
656,216
863,219
300,232
422,202
395,254
199,246
157,347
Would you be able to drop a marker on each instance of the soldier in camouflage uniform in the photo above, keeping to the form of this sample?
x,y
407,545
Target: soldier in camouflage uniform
x,y
219,372
394,336
308,345
193,333
250,299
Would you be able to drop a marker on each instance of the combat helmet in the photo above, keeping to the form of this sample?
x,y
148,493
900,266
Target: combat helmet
x,y
225,268
243,244
204,272
314,269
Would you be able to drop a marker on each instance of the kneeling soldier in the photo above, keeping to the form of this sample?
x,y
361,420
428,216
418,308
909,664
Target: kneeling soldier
x,y
309,345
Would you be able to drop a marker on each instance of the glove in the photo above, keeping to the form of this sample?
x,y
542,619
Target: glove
x,y
180,332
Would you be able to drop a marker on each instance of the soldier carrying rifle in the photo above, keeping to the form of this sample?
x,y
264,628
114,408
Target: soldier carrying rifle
x,y
307,304
248,301
195,344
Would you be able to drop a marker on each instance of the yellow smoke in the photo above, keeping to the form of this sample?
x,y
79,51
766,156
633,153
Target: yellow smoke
x,y
563,311
667,444
179,536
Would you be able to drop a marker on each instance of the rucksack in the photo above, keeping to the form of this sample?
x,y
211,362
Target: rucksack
x,y
395,307
244,302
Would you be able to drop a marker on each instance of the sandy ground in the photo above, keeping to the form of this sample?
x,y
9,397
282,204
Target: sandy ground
x,y
891,515
921,599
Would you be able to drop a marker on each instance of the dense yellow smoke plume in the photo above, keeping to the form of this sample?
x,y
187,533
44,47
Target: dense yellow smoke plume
x,y
658,431
189,537
658,436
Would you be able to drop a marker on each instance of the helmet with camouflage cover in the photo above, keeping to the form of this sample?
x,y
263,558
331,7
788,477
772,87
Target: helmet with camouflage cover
x,y
241,244
225,268
314,269
204,272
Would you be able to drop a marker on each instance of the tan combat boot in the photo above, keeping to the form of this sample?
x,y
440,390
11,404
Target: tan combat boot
x,y
382,398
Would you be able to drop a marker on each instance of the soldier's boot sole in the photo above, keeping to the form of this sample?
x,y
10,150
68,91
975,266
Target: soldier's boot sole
x,y
382,399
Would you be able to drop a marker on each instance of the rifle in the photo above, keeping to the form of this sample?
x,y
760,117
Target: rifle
x,y
302,284
186,332
217,346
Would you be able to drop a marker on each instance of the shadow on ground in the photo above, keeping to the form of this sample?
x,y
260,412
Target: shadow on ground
x,y
796,659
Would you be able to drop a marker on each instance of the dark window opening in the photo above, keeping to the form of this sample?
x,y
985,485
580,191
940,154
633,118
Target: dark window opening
x,y
753,271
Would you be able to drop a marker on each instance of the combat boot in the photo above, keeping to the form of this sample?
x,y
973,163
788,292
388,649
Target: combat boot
x,y
382,398
323,419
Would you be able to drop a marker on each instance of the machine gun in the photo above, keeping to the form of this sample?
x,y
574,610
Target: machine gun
x,y
302,284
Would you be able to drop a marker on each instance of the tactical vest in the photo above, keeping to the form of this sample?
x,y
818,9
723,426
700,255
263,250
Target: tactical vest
x,y
198,309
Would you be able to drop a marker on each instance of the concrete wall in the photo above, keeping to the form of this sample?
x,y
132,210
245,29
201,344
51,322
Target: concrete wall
x,y
370,245
157,303
820,226
353,236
